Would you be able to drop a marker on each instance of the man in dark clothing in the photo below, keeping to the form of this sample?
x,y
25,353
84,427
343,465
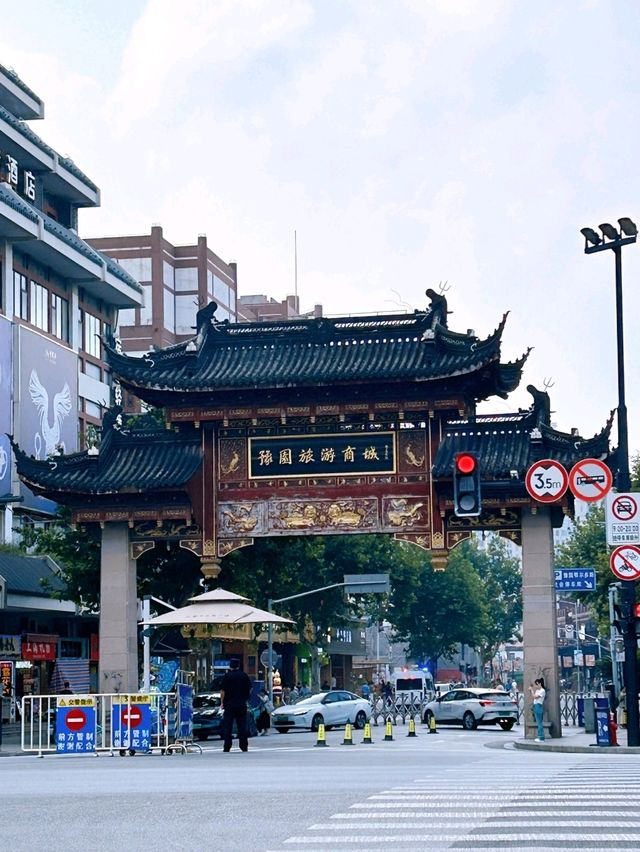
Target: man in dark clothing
x,y
235,690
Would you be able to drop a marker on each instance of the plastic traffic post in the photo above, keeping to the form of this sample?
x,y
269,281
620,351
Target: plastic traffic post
x,y
367,734
388,731
432,724
321,740
348,736
412,727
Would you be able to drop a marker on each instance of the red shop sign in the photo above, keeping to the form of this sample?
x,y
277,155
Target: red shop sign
x,y
39,650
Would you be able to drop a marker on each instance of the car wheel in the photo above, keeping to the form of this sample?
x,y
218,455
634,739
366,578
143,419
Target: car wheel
x,y
317,720
360,720
428,716
506,726
469,721
282,730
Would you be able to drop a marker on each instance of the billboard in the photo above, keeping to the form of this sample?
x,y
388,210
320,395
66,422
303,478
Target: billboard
x,y
6,373
48,411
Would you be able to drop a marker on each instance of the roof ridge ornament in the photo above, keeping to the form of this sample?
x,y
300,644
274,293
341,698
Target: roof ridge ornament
x,y
438,308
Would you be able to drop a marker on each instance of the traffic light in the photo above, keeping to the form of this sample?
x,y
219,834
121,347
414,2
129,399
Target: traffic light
x,y
466,486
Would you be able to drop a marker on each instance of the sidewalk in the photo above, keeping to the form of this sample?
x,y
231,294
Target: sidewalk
x,y
574,740
10,740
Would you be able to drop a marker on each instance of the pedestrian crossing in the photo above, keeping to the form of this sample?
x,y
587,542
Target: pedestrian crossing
x,y
594,804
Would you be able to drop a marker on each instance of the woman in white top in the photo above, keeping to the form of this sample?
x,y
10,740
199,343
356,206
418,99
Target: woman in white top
x,y
539,693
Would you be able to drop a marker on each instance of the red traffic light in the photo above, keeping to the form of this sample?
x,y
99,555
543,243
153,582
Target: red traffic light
x,y
636,610
465,463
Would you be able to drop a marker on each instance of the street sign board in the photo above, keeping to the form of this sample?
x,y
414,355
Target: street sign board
x,y
271,662
546,481
623,518
75,724
575,579
131,722
366,584
625,562
590,480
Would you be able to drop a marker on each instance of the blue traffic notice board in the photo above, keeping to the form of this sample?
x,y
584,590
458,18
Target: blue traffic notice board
x,y
76,724
131,722
575,579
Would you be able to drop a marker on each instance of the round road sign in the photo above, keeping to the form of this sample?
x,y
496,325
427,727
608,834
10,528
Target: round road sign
x,y
131,716
546,481
590,480
625,562
75,719
624,507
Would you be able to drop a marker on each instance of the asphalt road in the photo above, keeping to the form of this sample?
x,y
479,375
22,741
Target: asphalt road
x,y
454,790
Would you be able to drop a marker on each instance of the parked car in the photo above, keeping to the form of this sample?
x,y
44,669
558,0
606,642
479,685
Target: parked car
x,y
471,707
336,707
207,717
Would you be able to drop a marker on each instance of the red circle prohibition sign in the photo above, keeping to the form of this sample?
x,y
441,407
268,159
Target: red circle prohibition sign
x,y
624,507
75,719
131,716
625,562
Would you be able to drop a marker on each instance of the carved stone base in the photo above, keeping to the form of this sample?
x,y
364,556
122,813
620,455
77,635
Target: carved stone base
x,y
210,567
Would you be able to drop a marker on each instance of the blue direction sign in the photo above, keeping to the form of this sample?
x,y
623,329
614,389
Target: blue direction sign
x,y
76,724
575,579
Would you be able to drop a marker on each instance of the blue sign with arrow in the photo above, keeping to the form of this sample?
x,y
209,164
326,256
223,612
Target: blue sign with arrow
x,y
575,579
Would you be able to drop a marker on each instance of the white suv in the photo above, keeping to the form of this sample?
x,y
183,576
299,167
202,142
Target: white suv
x,y
471,707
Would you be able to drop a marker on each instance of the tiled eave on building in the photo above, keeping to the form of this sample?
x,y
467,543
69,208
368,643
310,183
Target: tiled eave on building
x,y
62,249
60,175
127,463
507,445
382,357
17,97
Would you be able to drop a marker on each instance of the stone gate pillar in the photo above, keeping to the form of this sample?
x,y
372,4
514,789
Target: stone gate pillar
x,y
118,612
539,611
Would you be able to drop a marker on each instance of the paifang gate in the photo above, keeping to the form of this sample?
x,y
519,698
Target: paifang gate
x,y
311,426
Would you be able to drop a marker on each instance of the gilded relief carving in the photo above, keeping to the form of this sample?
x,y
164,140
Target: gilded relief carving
x,y
412,453
228,545
240,517
489,519
323,515
233,459
168,530
403,512
420,540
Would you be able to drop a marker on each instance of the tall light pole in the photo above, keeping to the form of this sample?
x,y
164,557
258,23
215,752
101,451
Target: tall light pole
x,y
613,239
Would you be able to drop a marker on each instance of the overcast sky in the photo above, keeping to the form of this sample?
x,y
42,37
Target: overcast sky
x,y
408,142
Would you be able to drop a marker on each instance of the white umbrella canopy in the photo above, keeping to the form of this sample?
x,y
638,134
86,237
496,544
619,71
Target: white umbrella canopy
x,y
218,607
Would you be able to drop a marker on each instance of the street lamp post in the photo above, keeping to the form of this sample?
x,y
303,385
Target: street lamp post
x,y
614,240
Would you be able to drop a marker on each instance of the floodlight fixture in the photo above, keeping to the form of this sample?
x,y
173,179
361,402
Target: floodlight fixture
x,y
628,227
609,231
590,236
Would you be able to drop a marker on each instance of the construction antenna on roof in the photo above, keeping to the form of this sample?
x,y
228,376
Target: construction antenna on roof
x,y
547,383
399,301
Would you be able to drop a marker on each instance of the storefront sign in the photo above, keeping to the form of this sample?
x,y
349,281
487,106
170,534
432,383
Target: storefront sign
x,y
342,454
10,645
39,650
22,180
6,678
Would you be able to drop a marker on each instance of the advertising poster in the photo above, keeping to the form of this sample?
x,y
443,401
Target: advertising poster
x,y
6,373
48,396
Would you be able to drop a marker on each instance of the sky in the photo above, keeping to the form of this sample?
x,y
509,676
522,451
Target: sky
x,y
408,144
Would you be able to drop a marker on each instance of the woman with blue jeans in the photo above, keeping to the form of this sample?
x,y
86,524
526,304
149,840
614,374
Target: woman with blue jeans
x,y
538,692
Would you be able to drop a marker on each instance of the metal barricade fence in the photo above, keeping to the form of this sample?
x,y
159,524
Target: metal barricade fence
x,y
111,729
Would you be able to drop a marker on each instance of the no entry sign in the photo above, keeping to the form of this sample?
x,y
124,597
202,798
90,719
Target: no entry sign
x,y
76,724
546,481
590,480
131,722
625,562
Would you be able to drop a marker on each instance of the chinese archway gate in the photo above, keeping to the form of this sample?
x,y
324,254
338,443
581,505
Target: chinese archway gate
x,y
313,426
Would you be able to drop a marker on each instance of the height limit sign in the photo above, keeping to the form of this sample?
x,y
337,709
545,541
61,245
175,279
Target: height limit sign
x,y
623,518
546,481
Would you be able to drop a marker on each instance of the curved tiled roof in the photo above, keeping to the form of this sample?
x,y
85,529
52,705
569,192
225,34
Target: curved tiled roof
x,y
20,83
299,353
127,461
506,443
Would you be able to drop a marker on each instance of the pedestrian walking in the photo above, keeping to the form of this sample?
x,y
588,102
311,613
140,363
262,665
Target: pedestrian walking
x,y
66,689
235,690
295,693
621,711
539,693
263,722
365,690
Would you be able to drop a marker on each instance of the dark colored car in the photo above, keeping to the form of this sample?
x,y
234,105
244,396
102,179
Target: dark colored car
x,y
207,717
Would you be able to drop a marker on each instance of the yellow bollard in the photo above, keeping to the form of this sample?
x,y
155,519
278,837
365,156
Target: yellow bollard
x,y
432,724
321,740
348,736
412,727
388,731
367,734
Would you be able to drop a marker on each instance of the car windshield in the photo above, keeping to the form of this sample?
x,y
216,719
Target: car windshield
x,y
312,699
200,701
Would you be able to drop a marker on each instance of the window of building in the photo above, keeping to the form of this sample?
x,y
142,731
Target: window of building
x,y
91,334
232,300
220,290
126,316
186,309
145,308
186,278
138,267
210,283
169,310
92,409
92,370
20,295
167,275
39,306
60,317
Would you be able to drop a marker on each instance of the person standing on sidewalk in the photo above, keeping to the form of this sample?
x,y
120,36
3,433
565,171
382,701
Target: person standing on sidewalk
x,y
539,693
235,690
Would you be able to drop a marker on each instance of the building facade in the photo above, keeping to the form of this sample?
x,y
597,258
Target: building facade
x,y
59,298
